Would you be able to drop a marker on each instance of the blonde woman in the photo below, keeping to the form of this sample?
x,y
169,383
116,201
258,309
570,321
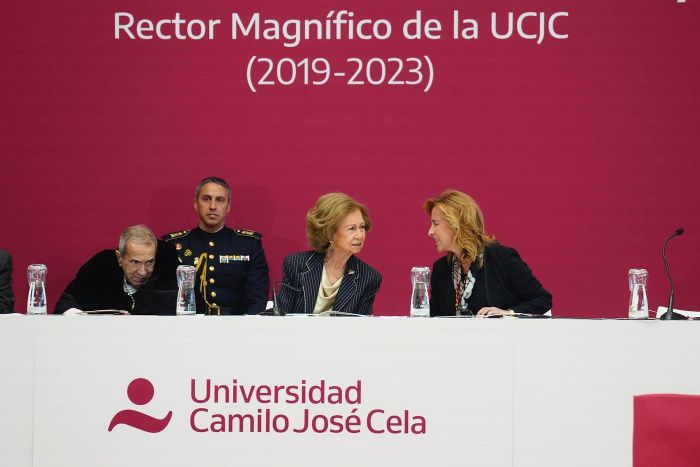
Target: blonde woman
x,y
478,275
331,277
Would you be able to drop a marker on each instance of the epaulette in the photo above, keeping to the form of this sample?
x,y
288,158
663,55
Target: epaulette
x,y
175,235
248,233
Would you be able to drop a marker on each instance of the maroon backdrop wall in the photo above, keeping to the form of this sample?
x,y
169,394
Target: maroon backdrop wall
x,y
582,152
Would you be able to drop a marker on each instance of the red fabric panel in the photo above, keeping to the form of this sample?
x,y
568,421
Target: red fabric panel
x,y
666,430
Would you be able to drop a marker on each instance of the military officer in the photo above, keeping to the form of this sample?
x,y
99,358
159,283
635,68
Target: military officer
x,y
232,272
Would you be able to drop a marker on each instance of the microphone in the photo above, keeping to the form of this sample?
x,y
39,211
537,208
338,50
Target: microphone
x,y
669,313
276,310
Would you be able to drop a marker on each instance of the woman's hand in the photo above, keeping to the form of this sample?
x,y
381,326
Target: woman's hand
x,y
494,311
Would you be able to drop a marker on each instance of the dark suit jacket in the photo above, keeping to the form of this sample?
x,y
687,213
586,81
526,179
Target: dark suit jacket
x,y
7,298
303,270
99,285
504,281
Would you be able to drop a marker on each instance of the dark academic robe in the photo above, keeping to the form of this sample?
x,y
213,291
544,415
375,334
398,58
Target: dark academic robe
x,y
99,285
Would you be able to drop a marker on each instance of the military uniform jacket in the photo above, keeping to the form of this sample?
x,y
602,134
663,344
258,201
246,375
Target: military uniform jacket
x,y
232,272
99,285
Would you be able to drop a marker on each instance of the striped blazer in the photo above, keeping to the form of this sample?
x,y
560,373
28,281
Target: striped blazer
x,y
301,276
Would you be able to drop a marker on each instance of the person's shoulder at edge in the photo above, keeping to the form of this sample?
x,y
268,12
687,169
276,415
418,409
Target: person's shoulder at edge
x,y
7,298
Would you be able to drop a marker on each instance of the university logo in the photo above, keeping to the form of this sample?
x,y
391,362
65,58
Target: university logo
x,y
140,392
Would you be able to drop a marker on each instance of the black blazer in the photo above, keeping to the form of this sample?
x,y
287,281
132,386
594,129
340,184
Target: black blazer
x,y
302,271
504,281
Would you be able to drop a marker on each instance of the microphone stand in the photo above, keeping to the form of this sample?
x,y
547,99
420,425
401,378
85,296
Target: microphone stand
x,y
276,310
669,313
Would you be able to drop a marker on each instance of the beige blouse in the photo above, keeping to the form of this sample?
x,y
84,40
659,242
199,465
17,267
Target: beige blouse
x,y
327,293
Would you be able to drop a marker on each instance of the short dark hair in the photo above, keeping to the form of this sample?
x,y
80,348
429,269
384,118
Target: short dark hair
x,y
216,181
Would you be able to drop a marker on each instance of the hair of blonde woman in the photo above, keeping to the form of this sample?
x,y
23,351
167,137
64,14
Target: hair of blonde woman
x,y
139,234
463,216
322,220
